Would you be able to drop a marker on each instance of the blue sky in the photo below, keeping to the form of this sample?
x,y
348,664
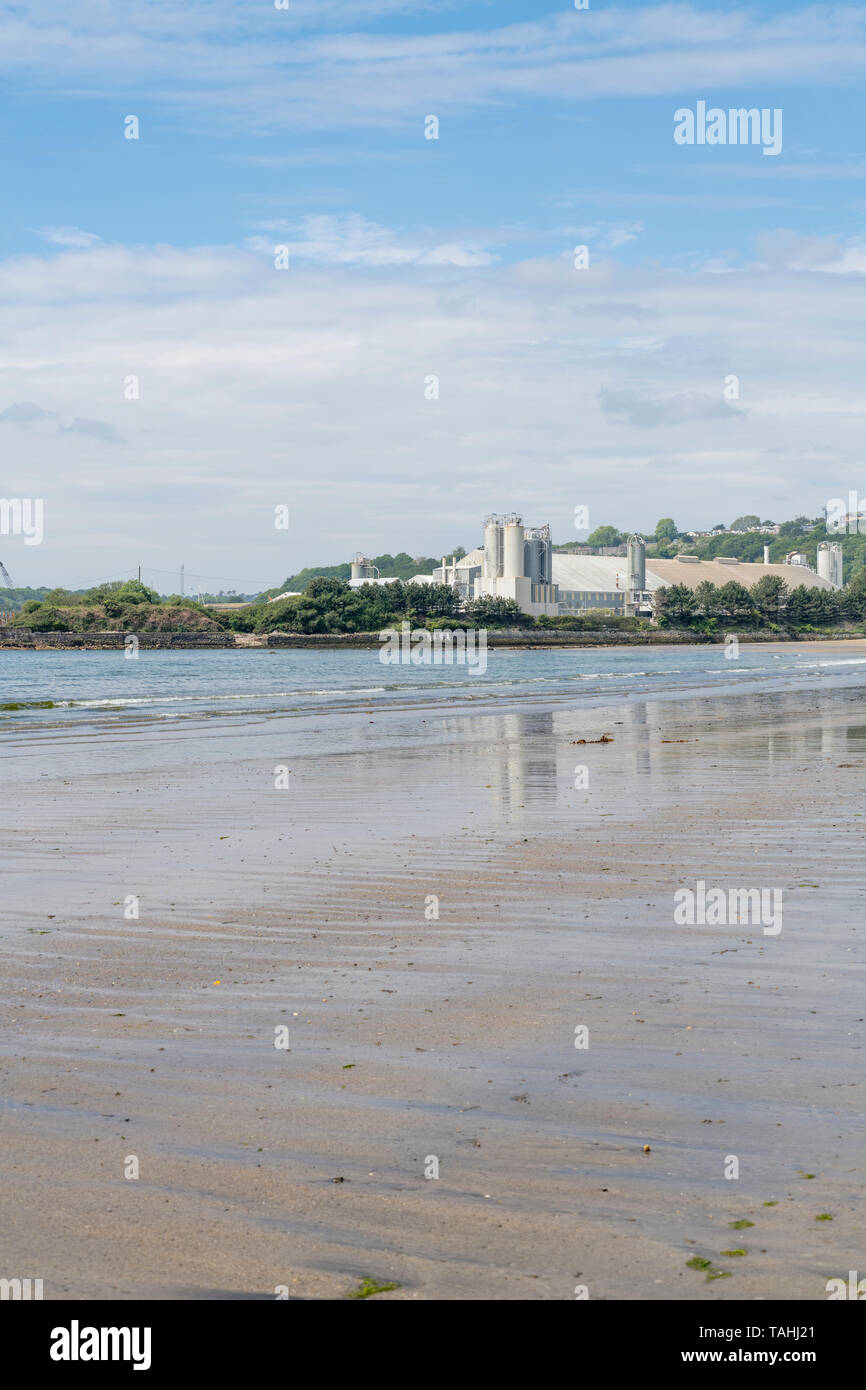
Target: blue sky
x,y
411,257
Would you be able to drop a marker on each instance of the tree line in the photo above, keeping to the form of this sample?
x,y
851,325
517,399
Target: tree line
x,y
770,600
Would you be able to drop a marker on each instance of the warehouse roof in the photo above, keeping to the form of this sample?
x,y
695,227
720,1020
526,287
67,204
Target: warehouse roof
x,y
606,573
591,573
719,572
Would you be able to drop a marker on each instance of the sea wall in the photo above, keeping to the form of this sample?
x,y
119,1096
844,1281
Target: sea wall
x,y
24,640
540,637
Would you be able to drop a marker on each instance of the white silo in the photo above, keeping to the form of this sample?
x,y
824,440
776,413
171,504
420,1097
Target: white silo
x,y
493,548
830,562
514,543
636,564
362,568
532,557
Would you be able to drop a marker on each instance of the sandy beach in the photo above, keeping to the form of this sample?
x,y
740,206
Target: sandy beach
x,y
414,1037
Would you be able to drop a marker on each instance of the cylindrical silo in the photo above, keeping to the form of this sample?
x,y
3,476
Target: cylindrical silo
x,y
532,557
824,561
492,548
830,562
636,563
546,558
514,541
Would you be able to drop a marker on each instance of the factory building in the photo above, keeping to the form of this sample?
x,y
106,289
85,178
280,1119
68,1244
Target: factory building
x,y
688,569
460,574
588,583
617,583
517,563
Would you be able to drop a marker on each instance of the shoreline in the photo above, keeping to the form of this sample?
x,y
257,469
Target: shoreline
x,y
527,639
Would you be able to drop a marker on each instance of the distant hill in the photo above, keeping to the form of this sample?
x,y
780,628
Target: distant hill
x,y
16,598
401,566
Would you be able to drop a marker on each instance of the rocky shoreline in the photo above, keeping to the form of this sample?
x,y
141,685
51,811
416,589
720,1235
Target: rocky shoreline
x,y
21,639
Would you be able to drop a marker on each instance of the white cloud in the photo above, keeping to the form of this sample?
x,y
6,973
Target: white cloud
x,y
294,68
67,236
260,387
353,240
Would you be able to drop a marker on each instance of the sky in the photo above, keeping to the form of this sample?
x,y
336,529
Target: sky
x,y
427,348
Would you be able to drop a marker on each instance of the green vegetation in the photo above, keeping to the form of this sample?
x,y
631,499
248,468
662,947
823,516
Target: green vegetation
x,y
116,607
706,1266
28,704
741,1224
666,529
605,535
768,603
329,605
368,1288
592,622
15,599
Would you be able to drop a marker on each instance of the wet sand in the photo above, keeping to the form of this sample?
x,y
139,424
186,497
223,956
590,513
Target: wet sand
x,y
454,1038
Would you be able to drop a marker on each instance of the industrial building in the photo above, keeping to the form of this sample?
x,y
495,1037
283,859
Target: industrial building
x,y
554,583
515,562
519,562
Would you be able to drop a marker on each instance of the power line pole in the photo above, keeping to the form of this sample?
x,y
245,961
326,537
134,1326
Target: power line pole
x,y
181,581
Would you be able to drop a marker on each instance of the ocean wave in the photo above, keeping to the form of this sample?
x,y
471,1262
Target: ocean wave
x,y
120,702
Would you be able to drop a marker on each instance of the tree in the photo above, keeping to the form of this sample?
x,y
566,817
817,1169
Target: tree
x,y
47,619
495,612
800,526
734,599
829,606
854,597
745,523
427,600
707,598
769,595
321,587
605,535
675,603
666,529
800,608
